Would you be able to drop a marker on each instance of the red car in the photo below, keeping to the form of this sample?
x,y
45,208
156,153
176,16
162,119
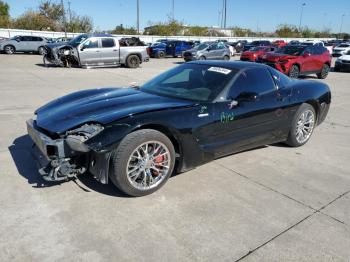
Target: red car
x,y
296,60
255,53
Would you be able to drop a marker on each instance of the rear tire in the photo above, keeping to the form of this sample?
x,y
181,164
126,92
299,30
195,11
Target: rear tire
x,y
303,126
294,72
324,72
133,61
131,166
202,58
9,49
226,58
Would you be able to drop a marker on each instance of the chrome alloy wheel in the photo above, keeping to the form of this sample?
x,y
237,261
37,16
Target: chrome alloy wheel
x,y
305,126
148,165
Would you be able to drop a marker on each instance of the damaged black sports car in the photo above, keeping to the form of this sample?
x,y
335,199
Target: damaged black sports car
x,y
137,137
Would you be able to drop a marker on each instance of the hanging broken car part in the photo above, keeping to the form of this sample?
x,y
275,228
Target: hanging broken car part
x,y
185,117
94,50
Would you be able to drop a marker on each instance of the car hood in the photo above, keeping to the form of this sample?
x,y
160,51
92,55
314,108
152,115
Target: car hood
x,y
102,105
57,45
276,56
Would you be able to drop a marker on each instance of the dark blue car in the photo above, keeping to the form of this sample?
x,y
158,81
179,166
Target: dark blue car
x,y
172,48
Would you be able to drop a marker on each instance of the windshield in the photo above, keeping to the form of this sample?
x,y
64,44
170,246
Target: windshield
x,y
195,82
291,50
343,45
77,40
257,48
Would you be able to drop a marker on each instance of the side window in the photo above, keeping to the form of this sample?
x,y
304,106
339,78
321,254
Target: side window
x,y
214,46
26,38
36,39
254,80
221,45
107,42
91,43
309,49
281,79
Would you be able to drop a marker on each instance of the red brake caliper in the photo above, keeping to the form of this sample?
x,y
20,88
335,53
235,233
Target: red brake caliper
x,y
157,160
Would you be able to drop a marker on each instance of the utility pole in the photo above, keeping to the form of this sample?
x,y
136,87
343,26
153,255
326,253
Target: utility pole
x,y
173,10
64,19
225,12
69,12
301,15
138,16
341,23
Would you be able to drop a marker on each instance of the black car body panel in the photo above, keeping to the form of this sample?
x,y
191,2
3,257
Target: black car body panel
x,y
95,121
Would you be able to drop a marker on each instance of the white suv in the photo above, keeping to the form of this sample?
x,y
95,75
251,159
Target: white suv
x,y
341,49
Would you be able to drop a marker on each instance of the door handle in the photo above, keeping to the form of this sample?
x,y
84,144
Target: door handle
x,y
97,51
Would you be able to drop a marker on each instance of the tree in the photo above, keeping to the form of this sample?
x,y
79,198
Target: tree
x,y
307,33
238,31
80,24
4,14
169,28
31,20
121,30
286,30
51,10
196,31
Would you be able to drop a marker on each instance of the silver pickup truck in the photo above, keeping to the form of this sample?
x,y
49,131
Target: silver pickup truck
x,y
94,50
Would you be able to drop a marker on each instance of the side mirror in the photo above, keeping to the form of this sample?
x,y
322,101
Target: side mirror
x,y
82,48
247,97
306,54
18,40
208,48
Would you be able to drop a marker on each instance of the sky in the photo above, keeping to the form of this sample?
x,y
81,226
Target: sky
x,y
253,14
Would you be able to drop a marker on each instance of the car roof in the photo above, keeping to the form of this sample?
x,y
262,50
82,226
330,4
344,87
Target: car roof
x,y
99,35
229,64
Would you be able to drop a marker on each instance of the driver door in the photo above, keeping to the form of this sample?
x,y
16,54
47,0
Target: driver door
x,y
89,52
22,43
251,122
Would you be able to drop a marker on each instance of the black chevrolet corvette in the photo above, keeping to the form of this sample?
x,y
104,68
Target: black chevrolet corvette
x,y
196,112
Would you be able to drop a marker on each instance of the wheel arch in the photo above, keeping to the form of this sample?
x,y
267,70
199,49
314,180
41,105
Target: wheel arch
x,y
166,131
10,45
135,53
316,107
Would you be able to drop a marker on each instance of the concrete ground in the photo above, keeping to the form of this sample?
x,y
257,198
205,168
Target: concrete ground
x,y
270,204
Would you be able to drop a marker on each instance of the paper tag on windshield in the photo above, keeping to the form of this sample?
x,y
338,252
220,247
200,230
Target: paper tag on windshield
x,y
220,70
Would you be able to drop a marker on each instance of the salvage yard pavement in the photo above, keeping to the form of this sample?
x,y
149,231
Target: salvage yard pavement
x,y
273,203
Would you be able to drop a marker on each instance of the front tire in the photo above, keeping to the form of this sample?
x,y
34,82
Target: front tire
x,y
226,58
133,61
303,126
9,49
202,58
142,163
324,72
294,71
41,50
160,54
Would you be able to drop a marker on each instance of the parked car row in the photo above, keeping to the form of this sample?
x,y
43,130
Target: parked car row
x,y
293,60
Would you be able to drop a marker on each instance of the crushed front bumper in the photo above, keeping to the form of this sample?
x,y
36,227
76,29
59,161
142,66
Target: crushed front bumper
x,y
62,159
